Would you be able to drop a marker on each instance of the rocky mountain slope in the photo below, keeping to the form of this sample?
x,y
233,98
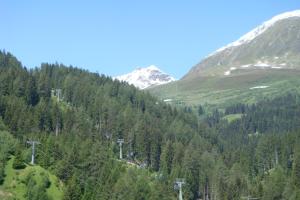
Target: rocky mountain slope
x,y
275,45
263,63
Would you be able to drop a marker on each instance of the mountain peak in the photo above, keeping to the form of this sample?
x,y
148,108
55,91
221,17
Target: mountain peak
x,y
152,67
273,45
248,37
146,77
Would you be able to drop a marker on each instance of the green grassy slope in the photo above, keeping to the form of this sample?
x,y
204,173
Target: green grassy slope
x,y
207,84
222,91
14,186
232,117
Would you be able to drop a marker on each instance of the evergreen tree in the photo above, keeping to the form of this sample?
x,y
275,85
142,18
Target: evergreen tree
x,y
18,160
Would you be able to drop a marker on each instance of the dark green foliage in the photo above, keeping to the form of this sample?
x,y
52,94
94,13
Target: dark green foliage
x,y
7,147
2,125
274,185
167,158
136,185
253,155
2,175
201,110
296,169
45,182
18,161
73,190
35,190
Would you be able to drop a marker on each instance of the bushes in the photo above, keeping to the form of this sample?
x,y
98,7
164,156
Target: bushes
x,y
36,186
45,182
18,161
2,175
7,146
35,191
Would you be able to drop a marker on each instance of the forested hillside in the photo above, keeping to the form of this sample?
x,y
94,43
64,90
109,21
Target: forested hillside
x,y
78,116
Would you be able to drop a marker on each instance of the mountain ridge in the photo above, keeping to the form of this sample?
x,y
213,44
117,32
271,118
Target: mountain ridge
x,y
259,30
275,44
238,72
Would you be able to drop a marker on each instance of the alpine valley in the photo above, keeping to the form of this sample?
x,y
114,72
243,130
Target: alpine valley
x,y
70,134
263,63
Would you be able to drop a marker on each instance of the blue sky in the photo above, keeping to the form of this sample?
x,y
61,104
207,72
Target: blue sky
x,y
114,37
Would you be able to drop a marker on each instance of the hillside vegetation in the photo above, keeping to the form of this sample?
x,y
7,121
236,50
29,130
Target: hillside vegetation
x,y
265,66
220,92
78,124
32,182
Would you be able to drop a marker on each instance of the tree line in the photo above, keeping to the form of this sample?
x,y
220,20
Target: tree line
x,y
255,155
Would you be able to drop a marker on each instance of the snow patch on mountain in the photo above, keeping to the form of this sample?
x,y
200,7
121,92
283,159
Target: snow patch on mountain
x,y
257,65
259,87
261,64
168,100
259,30
227,73
145,77
246,66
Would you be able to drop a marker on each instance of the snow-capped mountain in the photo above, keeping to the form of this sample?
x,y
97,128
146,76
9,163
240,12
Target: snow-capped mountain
x,y
274,45
146,77
263,63
248,37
